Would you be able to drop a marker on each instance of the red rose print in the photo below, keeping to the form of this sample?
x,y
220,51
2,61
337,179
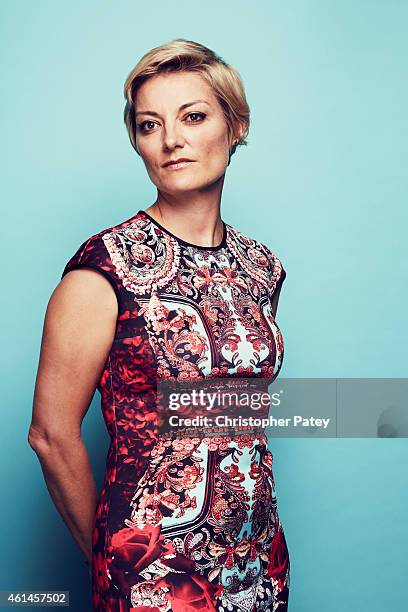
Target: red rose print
x,y
189,592
278,557
133,549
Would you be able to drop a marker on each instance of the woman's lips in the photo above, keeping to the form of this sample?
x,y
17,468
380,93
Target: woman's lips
x,y
178,166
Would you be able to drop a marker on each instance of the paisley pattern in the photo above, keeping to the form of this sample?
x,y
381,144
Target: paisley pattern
x,y
185,523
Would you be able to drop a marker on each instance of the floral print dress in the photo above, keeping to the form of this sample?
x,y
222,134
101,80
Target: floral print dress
x,y
185,523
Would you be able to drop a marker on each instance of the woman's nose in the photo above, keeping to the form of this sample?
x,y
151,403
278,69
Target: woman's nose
x,y
173,137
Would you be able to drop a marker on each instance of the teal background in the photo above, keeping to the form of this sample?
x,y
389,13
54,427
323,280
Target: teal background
x,y
323,182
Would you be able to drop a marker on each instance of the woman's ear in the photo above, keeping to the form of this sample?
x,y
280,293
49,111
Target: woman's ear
x,y
240,133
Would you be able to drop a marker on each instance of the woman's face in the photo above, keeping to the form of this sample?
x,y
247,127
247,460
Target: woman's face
x,y
178,116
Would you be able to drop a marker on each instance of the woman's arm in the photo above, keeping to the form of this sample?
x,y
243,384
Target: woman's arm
x,y
79,328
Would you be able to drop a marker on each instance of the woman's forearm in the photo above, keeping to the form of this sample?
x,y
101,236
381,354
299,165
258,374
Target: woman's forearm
x,y
69,478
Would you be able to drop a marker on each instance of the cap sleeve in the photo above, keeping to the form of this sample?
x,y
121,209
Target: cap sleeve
x,y
281,278
276,288
277,275
93,254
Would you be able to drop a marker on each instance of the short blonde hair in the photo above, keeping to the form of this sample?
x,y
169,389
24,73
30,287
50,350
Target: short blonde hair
x,y
187,55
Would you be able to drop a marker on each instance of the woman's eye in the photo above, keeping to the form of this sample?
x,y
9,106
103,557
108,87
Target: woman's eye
x,y
202,115
142,125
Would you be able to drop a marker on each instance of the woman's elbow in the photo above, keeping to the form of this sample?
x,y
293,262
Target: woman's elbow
x,y
43,441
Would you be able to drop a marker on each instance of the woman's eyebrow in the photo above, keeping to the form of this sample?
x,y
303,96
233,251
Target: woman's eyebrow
x,y
149,112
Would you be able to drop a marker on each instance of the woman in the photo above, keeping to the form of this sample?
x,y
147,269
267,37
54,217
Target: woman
x,y
183,522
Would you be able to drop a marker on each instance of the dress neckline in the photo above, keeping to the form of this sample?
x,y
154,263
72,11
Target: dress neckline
x,y
196,246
